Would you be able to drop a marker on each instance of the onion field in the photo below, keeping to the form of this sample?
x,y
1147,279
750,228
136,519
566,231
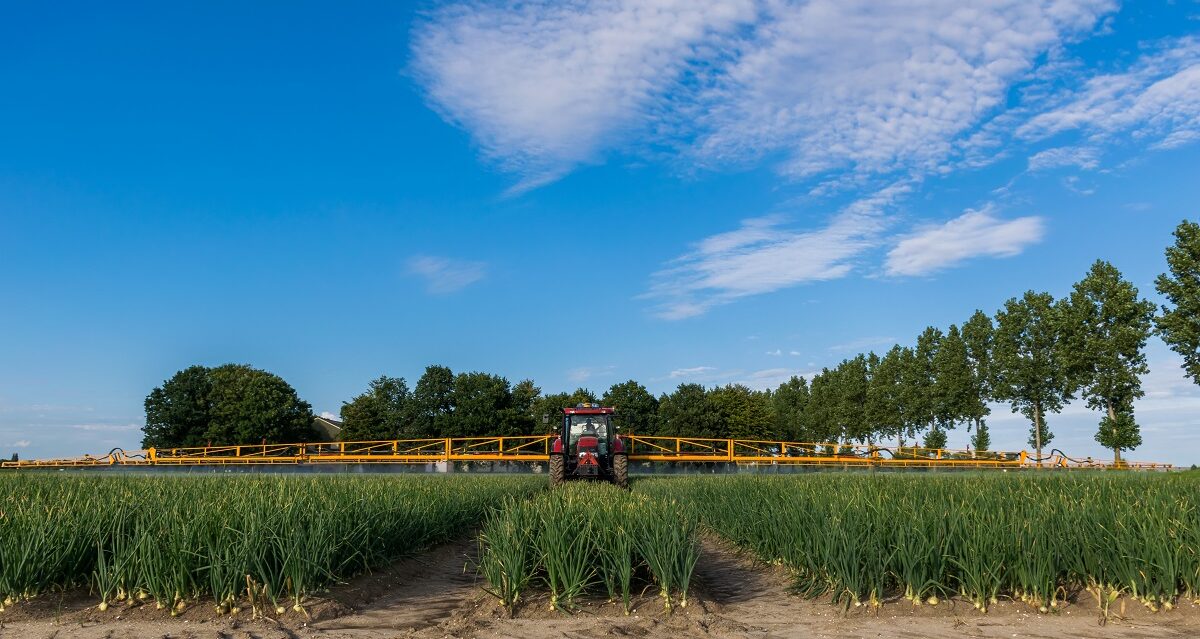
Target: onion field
x,y
1037,538
256,541
589,538
268,543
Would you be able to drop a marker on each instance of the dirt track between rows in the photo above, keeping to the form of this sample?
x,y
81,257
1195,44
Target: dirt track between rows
x,y
436,595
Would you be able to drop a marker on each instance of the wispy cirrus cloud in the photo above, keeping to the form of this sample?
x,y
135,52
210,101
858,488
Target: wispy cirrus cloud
x,y
765,255
444,275
1154,103
971,235
1081,157
545,86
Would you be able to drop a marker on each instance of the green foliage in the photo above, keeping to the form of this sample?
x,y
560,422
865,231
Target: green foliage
x,y
177,413
1179,323
955,394
385,411
434,402
636,410
885,395
1106,334
249,406
230,404
685,413
981,440
936,437
481,403
1028,360
1119,433
741,412
853,384
789,403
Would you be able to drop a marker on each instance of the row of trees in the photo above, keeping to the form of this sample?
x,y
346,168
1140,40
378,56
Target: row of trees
x,y
1036,353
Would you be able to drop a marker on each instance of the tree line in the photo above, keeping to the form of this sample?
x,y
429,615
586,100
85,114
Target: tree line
x,y
1036,353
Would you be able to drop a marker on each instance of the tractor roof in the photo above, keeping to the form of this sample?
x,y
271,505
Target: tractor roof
x,y
587,409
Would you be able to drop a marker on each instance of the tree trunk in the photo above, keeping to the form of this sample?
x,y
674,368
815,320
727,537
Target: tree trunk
x,y
1112,418
1037,432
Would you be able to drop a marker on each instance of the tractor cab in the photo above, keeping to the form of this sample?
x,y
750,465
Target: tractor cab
x,y
588,446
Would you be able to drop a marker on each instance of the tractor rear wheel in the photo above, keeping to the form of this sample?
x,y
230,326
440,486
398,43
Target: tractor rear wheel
x,y
558,470
621,471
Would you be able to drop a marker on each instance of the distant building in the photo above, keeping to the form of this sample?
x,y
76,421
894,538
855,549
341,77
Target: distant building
x,y
327,428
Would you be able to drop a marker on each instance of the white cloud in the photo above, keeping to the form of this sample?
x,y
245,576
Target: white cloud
x,y
1080,157
1156,102
862,343
775,353
794,353
973,234
21,443
693,372
763,256
545,86
106,427
443,275
328,415
877,87
584,373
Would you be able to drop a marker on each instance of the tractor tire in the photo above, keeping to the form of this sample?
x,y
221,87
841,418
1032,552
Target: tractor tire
x,y
621,471
558,470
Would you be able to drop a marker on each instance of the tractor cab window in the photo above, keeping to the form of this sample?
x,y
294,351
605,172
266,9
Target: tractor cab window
x,y
589,426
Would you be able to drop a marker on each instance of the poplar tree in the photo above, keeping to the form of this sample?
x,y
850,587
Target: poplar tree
x,y
977,336
853,381
1106,334
885,394
953,390
920,382
790,401
1028,364
1179,324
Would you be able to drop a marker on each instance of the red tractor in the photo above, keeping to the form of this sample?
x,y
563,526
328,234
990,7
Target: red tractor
x,y
588,447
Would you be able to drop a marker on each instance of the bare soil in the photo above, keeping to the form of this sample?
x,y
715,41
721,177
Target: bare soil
x,y
437,595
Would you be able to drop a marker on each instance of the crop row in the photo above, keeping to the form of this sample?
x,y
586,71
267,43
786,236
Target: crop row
x,y
1039,539
257,540
589,537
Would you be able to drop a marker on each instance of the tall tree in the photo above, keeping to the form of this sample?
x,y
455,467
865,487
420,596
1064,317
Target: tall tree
x,y
1108,329
741,413
384,411
686,413
820,416
851,412
434,402
1028,361
636,410
547,411
953,389
177,413
885,395
1179,324
481,402
920,383
521,418
790,401
582,396
977,336
248,406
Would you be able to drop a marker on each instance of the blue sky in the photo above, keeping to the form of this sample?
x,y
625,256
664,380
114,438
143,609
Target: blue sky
x,y
579,193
